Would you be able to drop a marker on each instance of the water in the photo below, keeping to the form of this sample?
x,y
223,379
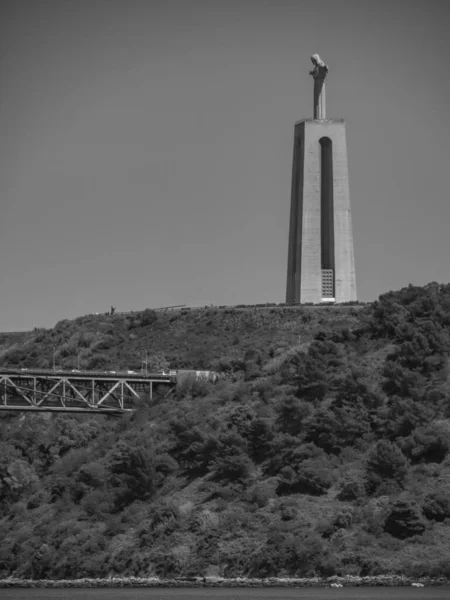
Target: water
x,y
360,593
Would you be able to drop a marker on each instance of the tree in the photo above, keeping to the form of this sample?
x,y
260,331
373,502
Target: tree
x,y
292,413
259,437
98,361
427,444
18,478
235,466
402,416
352,489
92,475
336,427
198,450
296,555
402,382
404,520
158,362
241,418
436,505
312,476
132,473
384,461
308,374
149,317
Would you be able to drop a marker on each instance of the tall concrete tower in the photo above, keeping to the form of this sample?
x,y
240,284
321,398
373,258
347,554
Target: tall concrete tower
x,y
321,265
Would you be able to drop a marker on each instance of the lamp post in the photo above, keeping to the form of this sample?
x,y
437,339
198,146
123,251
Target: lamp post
x,y
146,362
54,358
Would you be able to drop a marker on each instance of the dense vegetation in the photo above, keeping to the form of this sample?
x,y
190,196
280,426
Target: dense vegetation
x,y
324,451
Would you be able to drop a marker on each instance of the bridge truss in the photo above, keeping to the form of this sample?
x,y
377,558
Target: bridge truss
x,y
85,391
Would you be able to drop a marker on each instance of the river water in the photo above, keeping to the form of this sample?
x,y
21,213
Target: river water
x,y
356,593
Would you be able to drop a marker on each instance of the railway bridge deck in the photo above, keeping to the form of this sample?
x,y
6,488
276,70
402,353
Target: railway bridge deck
x,y
78,391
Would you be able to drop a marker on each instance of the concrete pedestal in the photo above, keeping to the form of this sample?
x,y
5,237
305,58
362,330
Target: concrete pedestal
x,y
321,264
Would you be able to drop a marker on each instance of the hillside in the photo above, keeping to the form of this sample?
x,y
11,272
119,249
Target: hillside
x,y
324,451
190,338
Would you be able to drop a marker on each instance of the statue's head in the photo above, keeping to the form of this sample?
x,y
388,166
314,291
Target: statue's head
x,y
317,61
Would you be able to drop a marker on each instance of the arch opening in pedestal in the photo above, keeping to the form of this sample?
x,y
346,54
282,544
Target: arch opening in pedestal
x,y
327,219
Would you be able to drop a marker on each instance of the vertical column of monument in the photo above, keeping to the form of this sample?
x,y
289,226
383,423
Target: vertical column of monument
x,y
345,278
310,285
327,204
296,219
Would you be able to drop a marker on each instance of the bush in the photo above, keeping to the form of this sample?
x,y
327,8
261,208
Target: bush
x,y
132,473
260,436
385,461
336,427
310,477
149,317
427,444
352,489
98,361
232,467
436,506
341,520
292,413
404,520
261,493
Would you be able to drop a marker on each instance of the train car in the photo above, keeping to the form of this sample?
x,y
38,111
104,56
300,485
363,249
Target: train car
x,y
183,374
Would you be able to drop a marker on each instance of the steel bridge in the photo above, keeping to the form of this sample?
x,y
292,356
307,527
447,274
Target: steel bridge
x,y
92,392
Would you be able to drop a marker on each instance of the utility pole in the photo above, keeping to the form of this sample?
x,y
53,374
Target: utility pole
x,y
144,361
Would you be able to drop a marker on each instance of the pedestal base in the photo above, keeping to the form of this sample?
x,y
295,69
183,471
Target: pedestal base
x,y
321,260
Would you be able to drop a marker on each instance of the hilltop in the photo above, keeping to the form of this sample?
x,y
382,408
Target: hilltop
x,y
189,338
324,451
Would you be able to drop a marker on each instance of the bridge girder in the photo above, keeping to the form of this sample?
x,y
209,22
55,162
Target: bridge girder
x,y
66,392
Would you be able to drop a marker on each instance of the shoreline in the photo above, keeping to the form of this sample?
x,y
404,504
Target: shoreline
x,y
203,582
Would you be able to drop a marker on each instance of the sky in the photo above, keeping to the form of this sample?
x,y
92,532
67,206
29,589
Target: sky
x,y
146,147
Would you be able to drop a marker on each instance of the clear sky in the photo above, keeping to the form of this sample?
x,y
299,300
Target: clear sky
x,y
146,147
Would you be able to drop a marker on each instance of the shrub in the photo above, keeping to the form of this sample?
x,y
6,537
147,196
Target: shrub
x,y
404,520
98,361
384,461
149,317
371,517
260,436
310,477
352,489
104,343
193,387
132,473
291,414
402,416
436,506
232,467
261,493
341,520
427,444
